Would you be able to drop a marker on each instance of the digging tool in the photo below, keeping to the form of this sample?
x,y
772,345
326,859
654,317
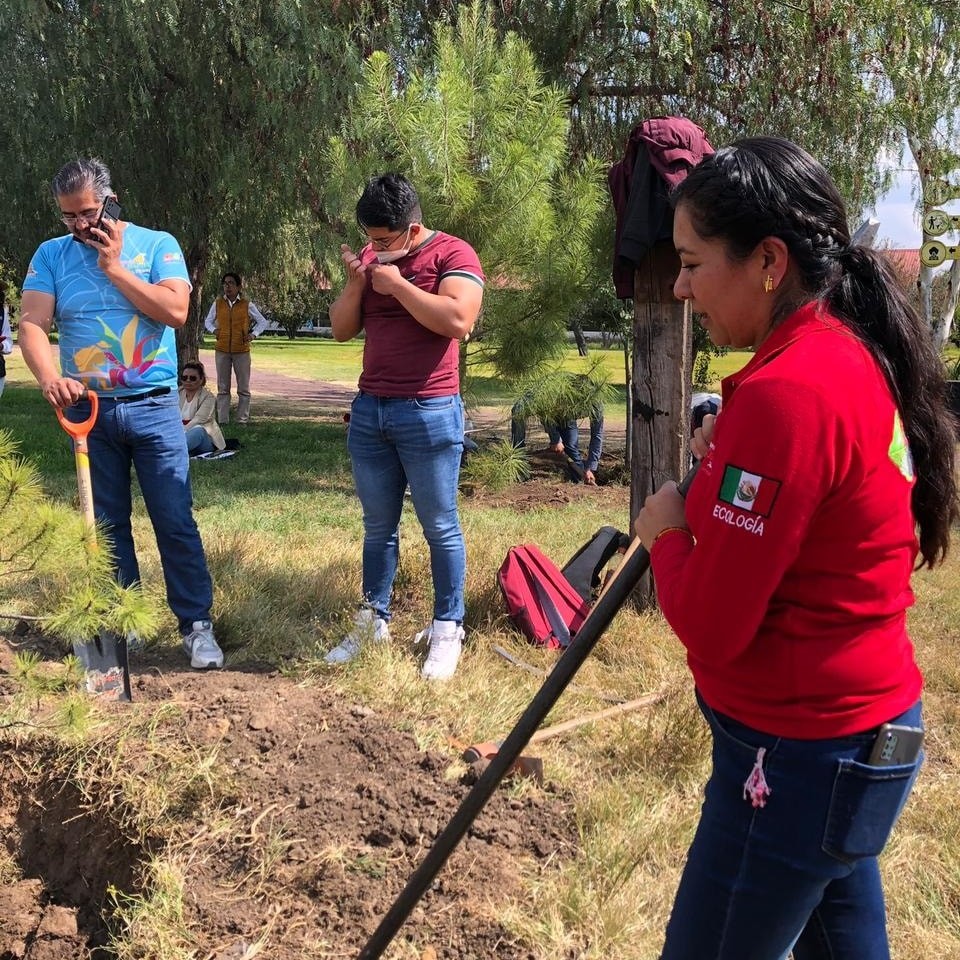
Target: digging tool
x,y
625,578
489,748
537,672
479,755
104,658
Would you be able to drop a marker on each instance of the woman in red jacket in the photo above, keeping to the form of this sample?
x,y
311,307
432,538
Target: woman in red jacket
x,y
786,572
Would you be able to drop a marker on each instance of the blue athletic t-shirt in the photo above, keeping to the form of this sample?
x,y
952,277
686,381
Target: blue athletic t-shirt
x,y
104,341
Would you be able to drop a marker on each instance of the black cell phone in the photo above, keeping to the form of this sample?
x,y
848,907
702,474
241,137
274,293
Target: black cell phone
x,y
109,211
896,745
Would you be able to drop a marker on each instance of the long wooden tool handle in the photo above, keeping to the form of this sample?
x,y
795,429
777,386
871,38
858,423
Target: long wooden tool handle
x,y
626,577
635,545
558,728
81,452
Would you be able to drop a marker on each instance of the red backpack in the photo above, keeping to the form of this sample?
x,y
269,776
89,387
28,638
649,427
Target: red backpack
x,y
541,599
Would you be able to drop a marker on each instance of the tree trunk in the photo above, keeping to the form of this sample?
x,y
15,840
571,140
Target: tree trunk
x,y
628,379
190,334
662,356
578,336
943,325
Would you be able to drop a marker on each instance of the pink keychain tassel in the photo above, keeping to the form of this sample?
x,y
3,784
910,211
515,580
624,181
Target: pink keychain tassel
x,y
756,788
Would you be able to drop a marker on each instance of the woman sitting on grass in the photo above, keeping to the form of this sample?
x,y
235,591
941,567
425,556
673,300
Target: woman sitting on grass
x,y
197,411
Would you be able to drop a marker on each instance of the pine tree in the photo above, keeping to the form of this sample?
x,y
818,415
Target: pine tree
x,y
484,140
47,571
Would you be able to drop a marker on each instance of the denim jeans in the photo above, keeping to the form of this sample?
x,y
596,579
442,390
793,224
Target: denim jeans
x,y
198,441
148,434
800,872
394,442
566,433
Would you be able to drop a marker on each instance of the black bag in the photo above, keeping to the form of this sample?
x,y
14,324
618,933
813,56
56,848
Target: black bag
x,y
584,568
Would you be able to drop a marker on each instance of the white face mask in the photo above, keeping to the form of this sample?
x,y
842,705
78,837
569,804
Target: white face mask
x,y
389,256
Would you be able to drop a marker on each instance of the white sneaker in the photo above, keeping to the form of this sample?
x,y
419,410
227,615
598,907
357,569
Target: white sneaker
x,y
201,647
446,643
367,628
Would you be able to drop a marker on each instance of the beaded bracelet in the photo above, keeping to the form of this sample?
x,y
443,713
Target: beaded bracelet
x,y
667,530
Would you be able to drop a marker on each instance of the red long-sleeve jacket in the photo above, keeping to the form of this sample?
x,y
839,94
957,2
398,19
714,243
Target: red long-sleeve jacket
x,y
792,602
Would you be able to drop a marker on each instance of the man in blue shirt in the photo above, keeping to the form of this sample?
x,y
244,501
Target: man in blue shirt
x,y
117,292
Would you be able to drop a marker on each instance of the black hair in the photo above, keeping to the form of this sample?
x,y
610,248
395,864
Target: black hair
x,y
769,187
198,366
83,174
388,201
236,277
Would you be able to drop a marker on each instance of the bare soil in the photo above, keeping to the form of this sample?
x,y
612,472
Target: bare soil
x,y
322,811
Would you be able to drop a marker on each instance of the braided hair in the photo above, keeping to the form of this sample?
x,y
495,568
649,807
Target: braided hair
x,y
769,187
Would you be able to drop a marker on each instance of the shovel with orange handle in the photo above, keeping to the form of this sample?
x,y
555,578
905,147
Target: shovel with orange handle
x,y
104,657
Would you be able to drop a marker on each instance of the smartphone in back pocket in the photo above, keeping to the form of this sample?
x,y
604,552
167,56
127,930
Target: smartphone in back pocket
x,y
896,745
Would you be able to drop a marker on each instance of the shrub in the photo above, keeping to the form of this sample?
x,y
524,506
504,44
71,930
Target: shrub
x,y
494,468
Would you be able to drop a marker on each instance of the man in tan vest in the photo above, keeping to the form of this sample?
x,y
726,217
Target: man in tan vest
x,y
235,321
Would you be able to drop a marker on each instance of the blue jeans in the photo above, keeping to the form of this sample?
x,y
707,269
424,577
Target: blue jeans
x,y
198,441
148,434
566,433
799,873
392,443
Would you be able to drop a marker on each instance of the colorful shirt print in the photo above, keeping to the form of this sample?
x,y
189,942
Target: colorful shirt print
x,y
105,342
899,451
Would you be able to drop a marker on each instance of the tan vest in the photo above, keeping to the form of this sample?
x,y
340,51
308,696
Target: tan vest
x,y
233,326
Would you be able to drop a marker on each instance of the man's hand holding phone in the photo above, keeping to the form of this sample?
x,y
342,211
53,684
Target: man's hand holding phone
x,y
107,236
386,278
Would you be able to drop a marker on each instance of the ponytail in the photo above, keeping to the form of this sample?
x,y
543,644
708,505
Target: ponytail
x,y
867,296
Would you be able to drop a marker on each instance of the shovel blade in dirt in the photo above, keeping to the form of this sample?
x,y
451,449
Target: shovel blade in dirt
x,y
106,668
479,755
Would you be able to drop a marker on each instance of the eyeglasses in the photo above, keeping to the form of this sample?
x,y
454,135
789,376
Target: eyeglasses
x,y
187,379
381,243
87,216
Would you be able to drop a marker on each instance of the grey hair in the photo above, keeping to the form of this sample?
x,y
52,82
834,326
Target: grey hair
x,y
83,174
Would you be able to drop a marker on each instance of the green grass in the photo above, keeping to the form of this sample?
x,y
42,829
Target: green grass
x,y
282,530
323,359
311,358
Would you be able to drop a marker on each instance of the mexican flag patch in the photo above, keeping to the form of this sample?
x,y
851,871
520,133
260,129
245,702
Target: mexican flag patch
x,y
748,491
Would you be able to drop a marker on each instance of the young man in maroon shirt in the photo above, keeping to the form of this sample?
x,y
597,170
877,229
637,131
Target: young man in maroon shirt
x,y
415,293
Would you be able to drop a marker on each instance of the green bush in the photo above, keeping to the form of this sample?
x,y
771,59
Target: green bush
x,y
495,468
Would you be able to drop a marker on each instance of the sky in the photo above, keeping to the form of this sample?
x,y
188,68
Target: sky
x,y
897,213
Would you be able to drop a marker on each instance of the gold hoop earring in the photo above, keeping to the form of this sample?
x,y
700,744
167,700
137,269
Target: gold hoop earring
x,y
768,284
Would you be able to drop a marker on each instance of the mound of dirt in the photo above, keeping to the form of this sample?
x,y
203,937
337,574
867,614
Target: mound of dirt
x,y
323,813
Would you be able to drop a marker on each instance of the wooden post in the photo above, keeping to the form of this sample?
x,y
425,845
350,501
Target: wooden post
x,y
662,362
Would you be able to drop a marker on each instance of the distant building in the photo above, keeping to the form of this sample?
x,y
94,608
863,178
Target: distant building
x,y
906,265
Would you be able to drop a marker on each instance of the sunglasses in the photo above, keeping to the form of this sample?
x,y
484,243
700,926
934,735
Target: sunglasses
x,y
186,378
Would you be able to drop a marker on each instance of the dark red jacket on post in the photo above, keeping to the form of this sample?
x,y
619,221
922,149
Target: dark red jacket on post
x,y
660,152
